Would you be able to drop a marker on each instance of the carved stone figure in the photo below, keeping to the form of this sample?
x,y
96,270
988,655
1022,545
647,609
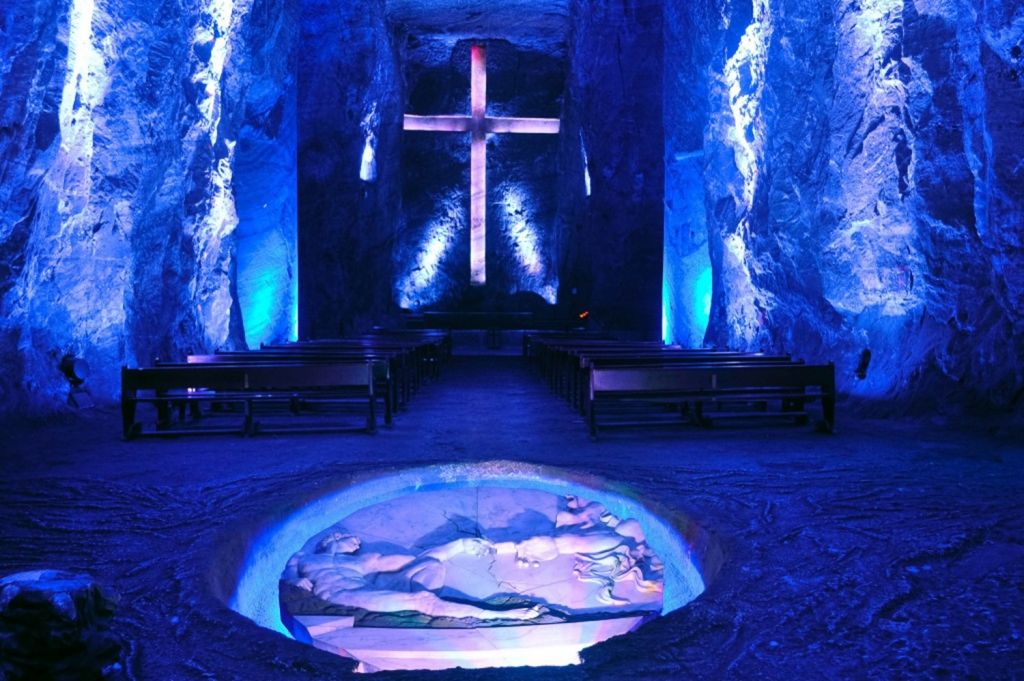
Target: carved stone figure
x,y
469,572
340,574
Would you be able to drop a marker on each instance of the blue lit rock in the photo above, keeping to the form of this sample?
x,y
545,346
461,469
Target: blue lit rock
x,y
612,240
348,88
119,206
850,174
863,189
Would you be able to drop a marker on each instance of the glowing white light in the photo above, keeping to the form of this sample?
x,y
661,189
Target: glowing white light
x,y
586,166
518,228
745,75
523,236
368,166
549,293
85,86
479,124
478,168
368,163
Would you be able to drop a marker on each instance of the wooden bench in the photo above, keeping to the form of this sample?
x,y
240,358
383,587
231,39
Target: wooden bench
x,y
244,385
556,358
794,384
580,376
418,359
385,386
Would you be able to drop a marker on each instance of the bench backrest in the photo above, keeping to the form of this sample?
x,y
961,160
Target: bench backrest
x,y
711,377
247,377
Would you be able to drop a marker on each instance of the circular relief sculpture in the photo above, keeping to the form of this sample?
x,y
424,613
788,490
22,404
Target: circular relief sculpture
x,y
471,577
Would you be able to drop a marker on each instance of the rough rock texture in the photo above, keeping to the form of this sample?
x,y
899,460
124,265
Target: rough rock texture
x,y
350,99
613,117
686,296
537,25
56,625
118,213
890,550
842,180
432,253
863,188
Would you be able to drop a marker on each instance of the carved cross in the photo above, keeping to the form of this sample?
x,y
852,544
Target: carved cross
x,y
479,124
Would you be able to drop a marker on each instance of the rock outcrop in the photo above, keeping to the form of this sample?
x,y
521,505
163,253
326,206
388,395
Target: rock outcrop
x,y
862,188
124,123
57,625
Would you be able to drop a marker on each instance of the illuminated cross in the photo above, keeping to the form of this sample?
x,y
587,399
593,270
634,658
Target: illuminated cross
x,y
479,124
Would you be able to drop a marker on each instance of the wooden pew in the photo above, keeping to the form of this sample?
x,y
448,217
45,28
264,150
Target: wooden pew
x,y
385,386
436,339
245,385
792,383
669,358
534,340
555,358
419,358
392,368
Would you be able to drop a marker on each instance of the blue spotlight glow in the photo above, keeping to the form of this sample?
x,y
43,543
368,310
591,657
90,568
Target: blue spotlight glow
x,y
586,166
701,304
526,245
368,163
420,284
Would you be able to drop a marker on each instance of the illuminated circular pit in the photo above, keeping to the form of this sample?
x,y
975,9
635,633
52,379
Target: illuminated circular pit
x,y
469,565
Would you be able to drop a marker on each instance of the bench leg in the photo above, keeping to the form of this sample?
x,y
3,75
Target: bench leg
x,y
247,424
371,418
698,415
828,411
592,418
129,427
163,414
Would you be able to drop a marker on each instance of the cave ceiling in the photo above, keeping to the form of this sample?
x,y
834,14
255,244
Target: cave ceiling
x,y
539,25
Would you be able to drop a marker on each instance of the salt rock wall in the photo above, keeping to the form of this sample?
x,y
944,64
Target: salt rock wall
x,y
350,121
432,251
118,214
612,137
863,189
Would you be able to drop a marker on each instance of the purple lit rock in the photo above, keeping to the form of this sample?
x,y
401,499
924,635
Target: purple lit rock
x,y
473,578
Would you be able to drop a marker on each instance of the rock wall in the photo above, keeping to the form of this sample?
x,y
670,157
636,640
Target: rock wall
x,y
863,185
350,121
118,208
432,252
613,119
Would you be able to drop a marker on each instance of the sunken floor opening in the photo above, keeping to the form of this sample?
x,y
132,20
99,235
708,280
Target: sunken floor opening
x,y
892,546
492,564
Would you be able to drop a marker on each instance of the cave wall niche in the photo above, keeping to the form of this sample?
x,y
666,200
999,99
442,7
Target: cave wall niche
x,y
855,189
432,260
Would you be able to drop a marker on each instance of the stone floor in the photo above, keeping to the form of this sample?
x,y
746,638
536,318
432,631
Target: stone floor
x,y
888,550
